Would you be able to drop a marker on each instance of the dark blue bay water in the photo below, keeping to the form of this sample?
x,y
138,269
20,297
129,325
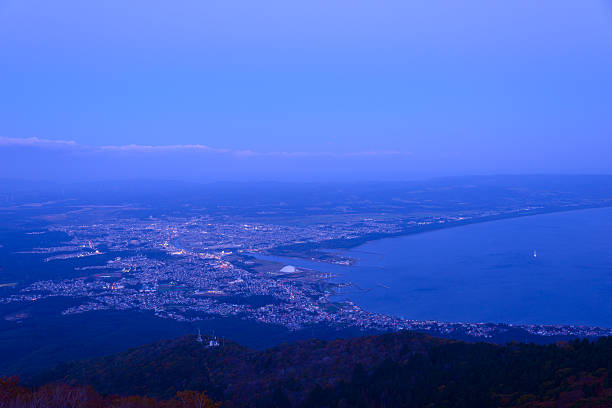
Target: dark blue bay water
x,y
487,272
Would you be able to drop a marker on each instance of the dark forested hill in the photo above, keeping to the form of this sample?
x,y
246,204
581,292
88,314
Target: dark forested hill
x,y
400,369
234,372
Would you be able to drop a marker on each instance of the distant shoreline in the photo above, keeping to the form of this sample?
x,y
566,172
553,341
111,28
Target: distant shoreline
x,y
435,227
314,251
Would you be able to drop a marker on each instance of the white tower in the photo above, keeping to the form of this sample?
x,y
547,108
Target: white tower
x,y
213,341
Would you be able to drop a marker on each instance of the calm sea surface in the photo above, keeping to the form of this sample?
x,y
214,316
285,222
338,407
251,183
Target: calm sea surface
x,y
488,273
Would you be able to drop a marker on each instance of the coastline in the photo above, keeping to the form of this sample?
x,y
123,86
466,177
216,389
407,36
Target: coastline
x,y
537,326
321,251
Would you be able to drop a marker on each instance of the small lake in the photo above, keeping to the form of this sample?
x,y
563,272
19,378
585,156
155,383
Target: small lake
x,y
487,272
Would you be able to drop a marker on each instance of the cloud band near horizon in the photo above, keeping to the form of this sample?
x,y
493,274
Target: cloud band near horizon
x,y
36,142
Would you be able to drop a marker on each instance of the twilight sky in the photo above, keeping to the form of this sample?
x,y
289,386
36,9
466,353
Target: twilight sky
x,y
311,90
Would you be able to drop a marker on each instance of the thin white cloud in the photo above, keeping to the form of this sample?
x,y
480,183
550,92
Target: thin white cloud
x,y
150,148
35,142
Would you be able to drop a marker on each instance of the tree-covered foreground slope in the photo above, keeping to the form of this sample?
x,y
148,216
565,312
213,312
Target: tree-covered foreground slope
x,y
57,395
401,369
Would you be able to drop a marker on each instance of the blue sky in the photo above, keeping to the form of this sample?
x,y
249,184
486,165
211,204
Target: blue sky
x,y
304,90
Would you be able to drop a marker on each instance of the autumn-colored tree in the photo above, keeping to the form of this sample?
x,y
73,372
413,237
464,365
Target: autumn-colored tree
x,y
135,402
65,396
10,390
194,399
13,395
